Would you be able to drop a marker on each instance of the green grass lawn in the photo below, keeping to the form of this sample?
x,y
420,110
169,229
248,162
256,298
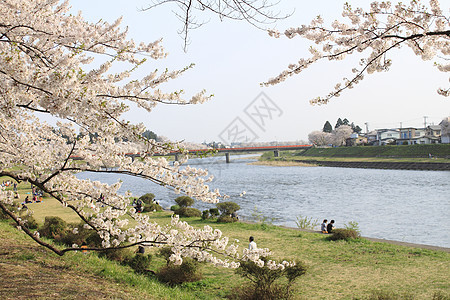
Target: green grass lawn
x,y
337,269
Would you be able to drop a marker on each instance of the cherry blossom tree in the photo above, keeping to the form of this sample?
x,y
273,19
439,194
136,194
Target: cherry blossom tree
x,y
375,33
320,138
340,134
255,12
56,64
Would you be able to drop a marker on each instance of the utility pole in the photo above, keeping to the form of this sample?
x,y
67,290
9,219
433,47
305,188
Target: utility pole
x,y
367,128
425,121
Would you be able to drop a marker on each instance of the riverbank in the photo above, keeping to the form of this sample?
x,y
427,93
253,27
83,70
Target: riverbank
x,y
280,163
413,157
30,271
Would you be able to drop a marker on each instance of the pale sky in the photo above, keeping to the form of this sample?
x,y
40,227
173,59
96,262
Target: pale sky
x,y
233,58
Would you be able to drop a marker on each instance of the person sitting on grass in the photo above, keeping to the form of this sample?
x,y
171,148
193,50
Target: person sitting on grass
x,y
323,226
252,244
27,200
330,227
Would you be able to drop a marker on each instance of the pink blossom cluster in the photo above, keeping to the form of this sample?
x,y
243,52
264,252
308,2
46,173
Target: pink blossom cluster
x,y
376,32
46,57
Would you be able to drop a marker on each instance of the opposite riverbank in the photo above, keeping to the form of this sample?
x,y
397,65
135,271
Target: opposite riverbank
x,y
409,157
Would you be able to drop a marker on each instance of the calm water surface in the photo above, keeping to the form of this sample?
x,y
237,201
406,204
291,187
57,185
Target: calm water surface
x,y
403,205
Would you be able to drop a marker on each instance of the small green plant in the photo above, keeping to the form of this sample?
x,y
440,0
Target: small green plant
x,y
214,212
264,221
228,208
172,274
175,207
188,212
139,263
267,284
306,223
205,214
147,198
30,222
54,227
228,212
352,225
120,255
184,201
152,207
344,234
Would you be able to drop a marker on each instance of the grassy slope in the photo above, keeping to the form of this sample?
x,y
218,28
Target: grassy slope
x,y
337,270
406,153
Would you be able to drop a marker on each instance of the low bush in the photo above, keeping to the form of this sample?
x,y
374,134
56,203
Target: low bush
x,y
214,212
226,219
344,234
267,284
188,212
152,207
206,215
172,274
175,207
147,198
184,201
139,263
119,255
30,222
228,208
3,215
188,271
77,234
54,227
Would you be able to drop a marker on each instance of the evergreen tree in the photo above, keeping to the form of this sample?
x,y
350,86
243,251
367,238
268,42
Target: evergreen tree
x,y
327,127
338,123
345,122
150,135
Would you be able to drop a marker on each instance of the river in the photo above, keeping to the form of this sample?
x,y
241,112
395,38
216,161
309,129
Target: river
x,y
403,205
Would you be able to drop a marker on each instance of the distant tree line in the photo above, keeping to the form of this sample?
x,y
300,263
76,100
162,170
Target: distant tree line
x,y
328,128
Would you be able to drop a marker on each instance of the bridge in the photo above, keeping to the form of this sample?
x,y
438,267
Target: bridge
x,y
276,150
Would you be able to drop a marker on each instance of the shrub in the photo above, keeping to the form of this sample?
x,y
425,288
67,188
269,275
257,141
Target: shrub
x,y
30,222
228,208
86,235
188,212
152,207
119,255
175,207
267,283
147,198
306,223
344,234
54,227
214,212
188,271
205,215
226,219
184,201
3,215
172,274
139,263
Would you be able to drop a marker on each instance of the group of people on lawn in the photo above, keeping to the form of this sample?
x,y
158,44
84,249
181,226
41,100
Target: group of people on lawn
x,y
327,228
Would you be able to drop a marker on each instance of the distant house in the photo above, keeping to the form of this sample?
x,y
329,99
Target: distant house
x,y
411,136
445,130
372,137
387,137
355,140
